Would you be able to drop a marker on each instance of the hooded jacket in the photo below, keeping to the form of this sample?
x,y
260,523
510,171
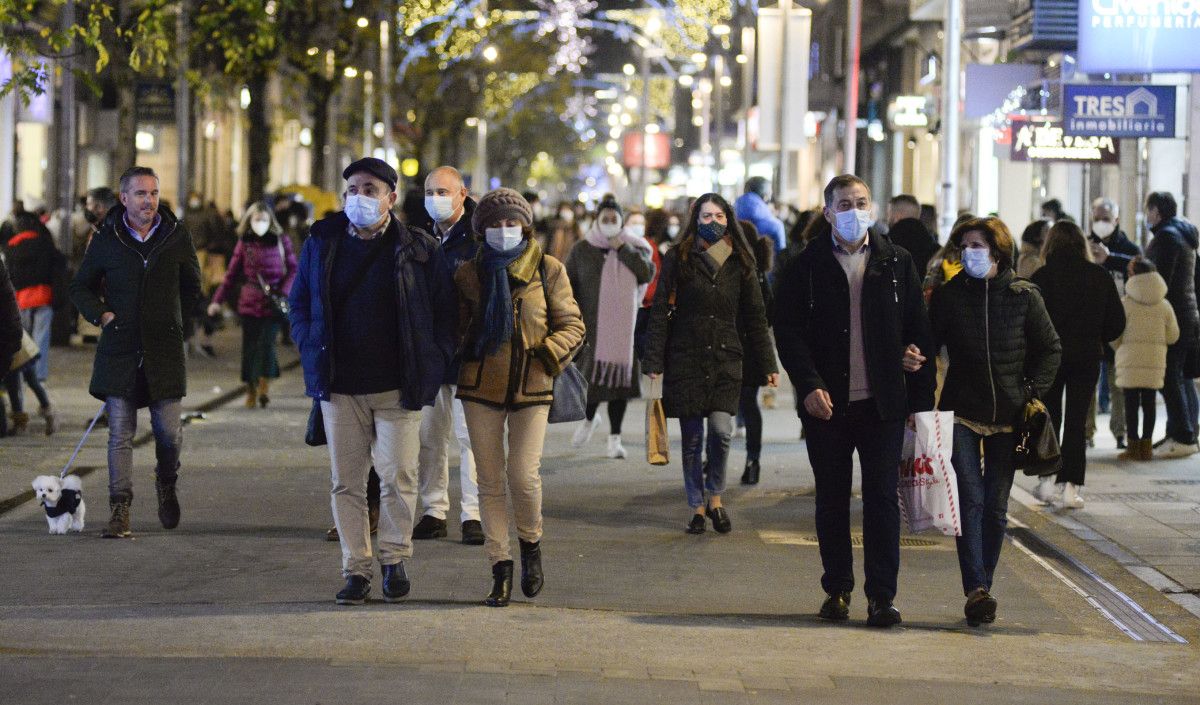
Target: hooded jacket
x,y
1173,251
751,206
426,305
1150,326
148,297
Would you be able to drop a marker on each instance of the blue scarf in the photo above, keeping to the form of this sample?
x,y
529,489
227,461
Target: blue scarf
x,y
497,319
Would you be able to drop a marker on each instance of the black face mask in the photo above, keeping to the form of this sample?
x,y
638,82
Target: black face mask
x,y
91,217
711,232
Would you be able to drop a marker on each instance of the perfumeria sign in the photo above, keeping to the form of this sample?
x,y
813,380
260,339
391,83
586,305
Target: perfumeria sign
x,y
1119,110
1139,36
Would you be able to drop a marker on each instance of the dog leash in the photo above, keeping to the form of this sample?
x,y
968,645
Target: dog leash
x,y
95,420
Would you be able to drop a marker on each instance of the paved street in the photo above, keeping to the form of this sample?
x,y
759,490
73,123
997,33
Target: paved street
x,y
236,604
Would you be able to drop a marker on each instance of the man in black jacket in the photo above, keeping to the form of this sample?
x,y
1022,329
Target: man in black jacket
x,y
1173,251
906,230
853,338
138,278
450,208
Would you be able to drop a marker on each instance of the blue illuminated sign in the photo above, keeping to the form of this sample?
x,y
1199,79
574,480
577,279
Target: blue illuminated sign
x,y
1139,36
1108,110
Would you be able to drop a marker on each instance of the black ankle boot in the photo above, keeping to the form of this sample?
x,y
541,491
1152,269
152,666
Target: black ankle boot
x,y
750,476
502,574
531,568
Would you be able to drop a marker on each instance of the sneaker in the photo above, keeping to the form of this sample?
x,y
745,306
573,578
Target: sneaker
x,y
1174,449
980,608
168,504
1046,490
584,432
356,591
118,524
1071,498
472,533
615,450
836,607
429,528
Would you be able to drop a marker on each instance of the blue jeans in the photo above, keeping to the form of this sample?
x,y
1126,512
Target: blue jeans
x,y
983,498
700,475
1179,396
122,425
37,322
831,447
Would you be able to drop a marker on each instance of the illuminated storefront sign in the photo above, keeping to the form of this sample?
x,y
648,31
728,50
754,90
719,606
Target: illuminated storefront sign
x,y
1119,111
1139,36
1043,140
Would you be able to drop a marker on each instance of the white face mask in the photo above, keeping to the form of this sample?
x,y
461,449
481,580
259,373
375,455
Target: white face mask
x,y
567,216
851,226
260,227
504,239
363,211
1103,228
673,230
440,208
977,261
638,230
610,229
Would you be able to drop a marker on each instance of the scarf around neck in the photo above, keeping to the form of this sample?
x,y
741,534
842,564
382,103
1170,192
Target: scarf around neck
x,y
496,301
620,298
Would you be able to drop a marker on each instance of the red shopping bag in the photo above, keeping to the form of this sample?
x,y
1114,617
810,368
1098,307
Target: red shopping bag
x,y
928,487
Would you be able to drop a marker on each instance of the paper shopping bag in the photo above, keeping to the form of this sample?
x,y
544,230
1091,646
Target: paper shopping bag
x,y
928,486
657,443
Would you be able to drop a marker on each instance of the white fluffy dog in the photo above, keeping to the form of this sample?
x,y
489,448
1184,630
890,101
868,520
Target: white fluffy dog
x,y
63,501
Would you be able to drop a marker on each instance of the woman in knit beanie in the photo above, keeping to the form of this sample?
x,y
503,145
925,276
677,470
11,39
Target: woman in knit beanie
x,y
519,327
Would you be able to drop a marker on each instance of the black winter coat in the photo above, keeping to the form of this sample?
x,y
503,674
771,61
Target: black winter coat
x,y
1120,250
148,297
1000,339
697,348
1173,251
812,327
33,260
10,321
913,236
458,246
1084,306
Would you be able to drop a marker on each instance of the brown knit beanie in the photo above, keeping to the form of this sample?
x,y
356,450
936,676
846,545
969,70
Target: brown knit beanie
x,y
501,204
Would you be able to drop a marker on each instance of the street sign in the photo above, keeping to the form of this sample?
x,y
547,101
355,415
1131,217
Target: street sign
x,y
1119,110
1138,36
155,101
1044,141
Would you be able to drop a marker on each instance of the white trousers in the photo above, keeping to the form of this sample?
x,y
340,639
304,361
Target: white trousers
x,y
437,422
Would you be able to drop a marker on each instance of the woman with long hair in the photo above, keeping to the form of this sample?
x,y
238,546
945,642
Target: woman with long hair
x,y
265,263
609,271
519,327
708,302
1087,313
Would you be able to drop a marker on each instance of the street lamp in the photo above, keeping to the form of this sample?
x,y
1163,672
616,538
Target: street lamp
x,y
491,54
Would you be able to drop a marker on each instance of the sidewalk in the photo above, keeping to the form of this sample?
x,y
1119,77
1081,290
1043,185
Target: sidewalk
x,y
24,457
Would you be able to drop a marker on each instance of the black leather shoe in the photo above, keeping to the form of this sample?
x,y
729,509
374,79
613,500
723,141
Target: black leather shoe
x,y
472,532
750,475
531,568
429,528
395,582
696,525
720,520
168,504
1120,442
356,591
980,608
882,614
836,607
332,534
502,576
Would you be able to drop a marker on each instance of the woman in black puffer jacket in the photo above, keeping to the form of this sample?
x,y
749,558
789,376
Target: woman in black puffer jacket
x,y
1001,343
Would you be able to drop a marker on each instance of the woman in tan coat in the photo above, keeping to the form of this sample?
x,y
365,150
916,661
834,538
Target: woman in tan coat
x,y
519,327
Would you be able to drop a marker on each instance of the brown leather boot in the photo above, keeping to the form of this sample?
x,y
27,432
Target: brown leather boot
x,y
20,424
251,396
1147,448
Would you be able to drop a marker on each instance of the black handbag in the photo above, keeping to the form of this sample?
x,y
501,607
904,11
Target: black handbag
x,y
569,401
279,303
314,435
1037,451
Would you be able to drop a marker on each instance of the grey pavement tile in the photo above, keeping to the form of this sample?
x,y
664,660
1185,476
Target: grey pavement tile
x,y
725,685
720,697
765,683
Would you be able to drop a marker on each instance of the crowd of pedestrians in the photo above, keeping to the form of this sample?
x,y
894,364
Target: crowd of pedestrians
x,y
461,329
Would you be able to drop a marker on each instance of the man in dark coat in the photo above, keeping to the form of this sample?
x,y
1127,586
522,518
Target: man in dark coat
x,y
450,208
906,230
1173,251
853,337
373,313
10,320
137,279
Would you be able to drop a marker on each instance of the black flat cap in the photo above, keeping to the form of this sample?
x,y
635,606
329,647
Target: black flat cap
x,y
375,167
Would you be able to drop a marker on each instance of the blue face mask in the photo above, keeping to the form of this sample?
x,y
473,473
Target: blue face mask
x,y
711,232
977,262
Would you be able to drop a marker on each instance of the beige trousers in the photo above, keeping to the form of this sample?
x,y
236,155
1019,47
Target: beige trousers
x,y
518,469
364,430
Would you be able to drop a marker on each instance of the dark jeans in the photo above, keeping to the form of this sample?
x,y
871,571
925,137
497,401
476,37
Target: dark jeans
x,y
983,490
705,475
1144,398
831,445
16,393
749,412
1179,395
616,414
1078,380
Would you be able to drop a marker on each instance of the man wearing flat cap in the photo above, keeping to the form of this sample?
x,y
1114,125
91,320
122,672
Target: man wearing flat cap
x,y
373,313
